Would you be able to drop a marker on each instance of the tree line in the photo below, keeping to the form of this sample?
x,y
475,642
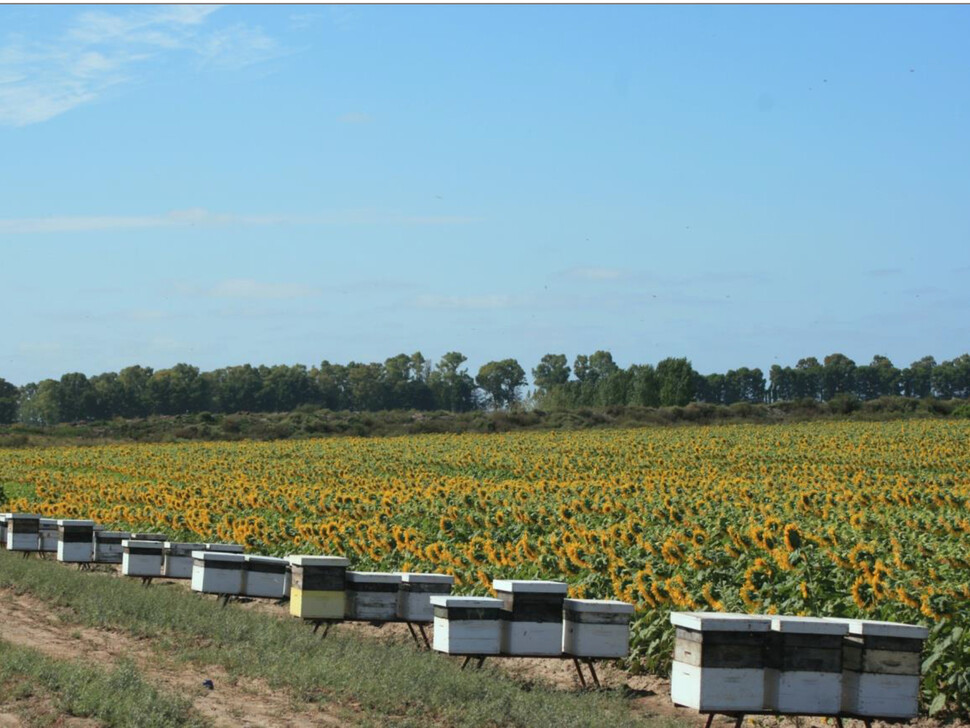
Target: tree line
x,y
410,382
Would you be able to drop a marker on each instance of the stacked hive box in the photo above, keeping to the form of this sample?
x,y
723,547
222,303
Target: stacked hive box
x,y
531,616
414,598
141,558
48,535
372,595
108,547
178,559
23,532
317,586
217,572
467,625
3,529
75,543
267,577
596,628
719,661
881,668
804,666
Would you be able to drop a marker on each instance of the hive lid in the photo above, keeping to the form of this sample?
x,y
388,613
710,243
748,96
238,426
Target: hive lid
x,y
226,548
442,600
48,521
74,522
141,543
218,556
872,628
25,516
807,625
413,578
184,546
721,621
373,577
304,560
113,534
267,559
601,606
530,587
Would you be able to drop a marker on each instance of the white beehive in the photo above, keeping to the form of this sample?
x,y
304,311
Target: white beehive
x,y
881,668
141,558
467,625
372,595
217,572
719,661
317,586
531,616
108,547
3,529
177,559
596,628
267,577
804,666
48,535
224,548
414,597
23,532
75,542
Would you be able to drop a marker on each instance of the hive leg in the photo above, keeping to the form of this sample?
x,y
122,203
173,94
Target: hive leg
x,y
579,671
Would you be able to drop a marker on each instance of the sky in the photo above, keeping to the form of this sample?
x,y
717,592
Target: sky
x,y
738,185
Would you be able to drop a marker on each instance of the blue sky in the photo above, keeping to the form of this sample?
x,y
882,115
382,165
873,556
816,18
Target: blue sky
x,y
742,186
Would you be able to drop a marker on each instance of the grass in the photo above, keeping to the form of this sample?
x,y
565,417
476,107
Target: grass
x,y
115,697
383,681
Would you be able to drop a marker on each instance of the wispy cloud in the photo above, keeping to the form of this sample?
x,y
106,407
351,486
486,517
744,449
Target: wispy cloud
x,y
484,302
102,50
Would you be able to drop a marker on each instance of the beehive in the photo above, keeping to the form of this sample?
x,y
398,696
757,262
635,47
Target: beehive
x,y
141,558
108,547
3,529
177,559
75,542
531,616
267,577
317,588
23,532
217,572
467,625
881,668
804,666
224,548
48,535
372,595
414,597
719,661
596,628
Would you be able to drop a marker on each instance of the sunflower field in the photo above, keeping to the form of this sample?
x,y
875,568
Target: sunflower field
x,y
833,519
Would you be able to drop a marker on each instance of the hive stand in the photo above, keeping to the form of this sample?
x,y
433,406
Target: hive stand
x,y
838,717
317,623
578,662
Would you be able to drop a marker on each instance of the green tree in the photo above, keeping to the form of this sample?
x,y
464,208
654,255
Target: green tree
x,y
178,390
501,380
76,397
551,371
676,379
838,376
136,397
451,385
644,389
917,379
9,394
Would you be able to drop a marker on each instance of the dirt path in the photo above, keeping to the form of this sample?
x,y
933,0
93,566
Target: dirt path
x,y
234,702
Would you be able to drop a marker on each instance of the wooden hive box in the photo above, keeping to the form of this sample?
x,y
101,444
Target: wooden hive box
x,y
267,577
467,625
48,535
75,541
372,595
225,548
217,572
177,559
596,628
23,532
108,547
141,558
804,666
531,616
719,661
414,597
317,589
881,668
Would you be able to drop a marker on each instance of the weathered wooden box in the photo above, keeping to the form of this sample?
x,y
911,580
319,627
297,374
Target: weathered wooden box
x,y
108,547
216,572
804,666
267,577
177,559
23,532
414,596
48,535
531,616
225,548
75,542
719,661
372,595
141,558
596,628
317,588
881,668
467,625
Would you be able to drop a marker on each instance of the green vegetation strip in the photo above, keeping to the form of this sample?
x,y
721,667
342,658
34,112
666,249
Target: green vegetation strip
x,y
116,697
384,680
